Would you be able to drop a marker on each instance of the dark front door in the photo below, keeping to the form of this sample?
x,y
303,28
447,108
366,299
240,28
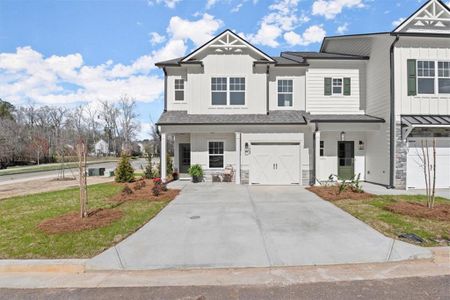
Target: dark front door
x,y
346,160
185,157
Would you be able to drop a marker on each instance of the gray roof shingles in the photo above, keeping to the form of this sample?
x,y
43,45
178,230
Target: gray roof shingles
x,y
274,117
344,119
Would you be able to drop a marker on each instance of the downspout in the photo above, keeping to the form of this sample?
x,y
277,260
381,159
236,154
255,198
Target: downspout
x,y
314,154
392,116
165,89
267,89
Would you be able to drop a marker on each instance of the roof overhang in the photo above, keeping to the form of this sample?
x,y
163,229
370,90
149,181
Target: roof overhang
x,y
410,122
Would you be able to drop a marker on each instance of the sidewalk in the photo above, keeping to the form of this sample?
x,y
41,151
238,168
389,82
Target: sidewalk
x,y
438,266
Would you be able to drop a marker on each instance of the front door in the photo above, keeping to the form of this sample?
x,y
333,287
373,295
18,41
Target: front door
x,y
346,160
185,157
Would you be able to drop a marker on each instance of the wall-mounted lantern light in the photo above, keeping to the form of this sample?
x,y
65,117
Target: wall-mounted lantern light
x,y
247,149
361,145
342,136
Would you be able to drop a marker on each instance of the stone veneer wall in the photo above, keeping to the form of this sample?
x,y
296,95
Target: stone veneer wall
x,y
401,149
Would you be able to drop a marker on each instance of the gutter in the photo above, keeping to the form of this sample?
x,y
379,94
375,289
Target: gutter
x,y
165,89
267,90
392,116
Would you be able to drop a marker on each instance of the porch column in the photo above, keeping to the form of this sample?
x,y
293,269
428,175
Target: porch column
x,y
163,156
238,158
316,155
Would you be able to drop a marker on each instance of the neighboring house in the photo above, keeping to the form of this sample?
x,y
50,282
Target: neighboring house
x,y
101,148
359,106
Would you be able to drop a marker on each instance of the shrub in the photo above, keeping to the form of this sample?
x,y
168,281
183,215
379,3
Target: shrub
x,y
169,165
139,185
156,190
126,190
196,172
124,171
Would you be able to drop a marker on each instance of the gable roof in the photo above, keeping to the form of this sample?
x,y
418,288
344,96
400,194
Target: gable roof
x,y
432,17
222,42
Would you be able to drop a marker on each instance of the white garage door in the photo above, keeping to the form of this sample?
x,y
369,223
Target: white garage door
x,y
275,164
415,174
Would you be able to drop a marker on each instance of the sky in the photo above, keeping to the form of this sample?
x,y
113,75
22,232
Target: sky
x,y
79,52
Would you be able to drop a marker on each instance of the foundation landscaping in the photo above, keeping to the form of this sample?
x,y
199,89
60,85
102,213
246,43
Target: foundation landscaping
x,y
404,217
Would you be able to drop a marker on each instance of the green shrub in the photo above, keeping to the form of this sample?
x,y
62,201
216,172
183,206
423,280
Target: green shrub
x,y
124,171
196,172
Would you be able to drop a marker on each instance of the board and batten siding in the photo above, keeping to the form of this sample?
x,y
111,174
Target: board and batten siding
x,y
419,49
235,65
172,74
316,100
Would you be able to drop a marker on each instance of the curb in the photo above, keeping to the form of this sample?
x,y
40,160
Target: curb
x,y
43,265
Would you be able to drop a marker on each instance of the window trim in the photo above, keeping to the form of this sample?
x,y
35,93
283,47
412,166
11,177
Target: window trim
x,y
211,105
223,154
333,94
435,78
276,89
175,90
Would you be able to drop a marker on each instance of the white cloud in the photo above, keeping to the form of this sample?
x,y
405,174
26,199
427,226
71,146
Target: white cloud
x,y
342,28
198,32
156,38
210,3
331,8
28,75
237,8
313,34
168,3
283,17
398,22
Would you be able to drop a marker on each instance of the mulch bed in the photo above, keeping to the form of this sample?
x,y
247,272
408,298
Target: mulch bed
x,y
440,212
331,193
142,190
72,222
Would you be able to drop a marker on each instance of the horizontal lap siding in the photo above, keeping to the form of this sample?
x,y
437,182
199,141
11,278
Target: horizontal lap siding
x,y
419,50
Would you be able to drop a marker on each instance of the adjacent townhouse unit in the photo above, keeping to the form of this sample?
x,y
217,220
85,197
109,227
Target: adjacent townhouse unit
x,y
360,106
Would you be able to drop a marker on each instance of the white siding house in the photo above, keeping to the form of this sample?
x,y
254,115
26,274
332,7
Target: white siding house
x,y
305,117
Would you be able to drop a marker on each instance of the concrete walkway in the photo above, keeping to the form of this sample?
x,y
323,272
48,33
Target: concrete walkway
x,y
227,225
382,190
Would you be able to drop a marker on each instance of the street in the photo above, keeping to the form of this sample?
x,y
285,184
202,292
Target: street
x,y
6,179
405,288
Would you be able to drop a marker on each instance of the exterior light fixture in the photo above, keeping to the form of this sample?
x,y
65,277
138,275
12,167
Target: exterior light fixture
x,y
361,145
247,149
342,136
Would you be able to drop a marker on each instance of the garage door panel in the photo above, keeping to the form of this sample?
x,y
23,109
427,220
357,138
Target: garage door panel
x,y
415,173
275,164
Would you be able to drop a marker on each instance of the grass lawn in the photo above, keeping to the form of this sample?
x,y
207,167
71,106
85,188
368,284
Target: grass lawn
x,y
21,238
373,212
48,167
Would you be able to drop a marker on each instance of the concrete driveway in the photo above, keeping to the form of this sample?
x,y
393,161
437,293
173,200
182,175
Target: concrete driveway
x,y
227,225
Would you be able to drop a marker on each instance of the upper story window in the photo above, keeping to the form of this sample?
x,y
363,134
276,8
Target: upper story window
x,y
337,86
228,91
428,77
285,92
444,77
179,90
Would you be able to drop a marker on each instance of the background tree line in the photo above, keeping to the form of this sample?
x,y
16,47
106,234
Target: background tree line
x,y
32,134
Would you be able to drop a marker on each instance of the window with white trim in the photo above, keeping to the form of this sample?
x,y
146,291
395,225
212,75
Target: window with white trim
x,y
227,91
216,154
426,74
285,92
179,89
444,77
337,86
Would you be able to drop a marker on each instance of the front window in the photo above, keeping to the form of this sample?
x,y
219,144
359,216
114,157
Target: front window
x,y
228,91
216,153
444,77
285,91
219,90
425,77
237,91
337,86
179,90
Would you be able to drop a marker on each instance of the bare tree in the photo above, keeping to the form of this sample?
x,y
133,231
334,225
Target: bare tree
x,y
128,123
429,170
109,113
82,153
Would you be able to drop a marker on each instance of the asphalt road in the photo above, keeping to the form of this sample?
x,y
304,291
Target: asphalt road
x,y
405,288
45,174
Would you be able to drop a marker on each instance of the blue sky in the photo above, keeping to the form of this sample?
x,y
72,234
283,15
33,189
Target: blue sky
x,y
78,52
